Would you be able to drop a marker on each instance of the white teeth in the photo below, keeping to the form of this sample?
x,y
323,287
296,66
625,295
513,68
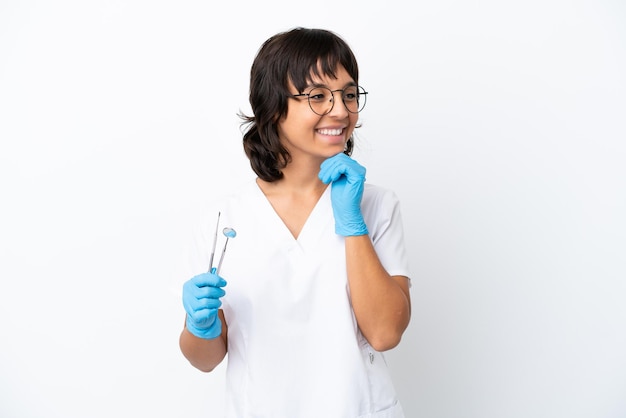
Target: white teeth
x,y
330,131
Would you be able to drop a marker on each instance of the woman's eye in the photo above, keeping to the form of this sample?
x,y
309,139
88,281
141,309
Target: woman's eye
x,y
319,94
317,97
350,94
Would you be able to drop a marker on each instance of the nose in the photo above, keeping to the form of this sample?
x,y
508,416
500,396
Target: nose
x,y
339,108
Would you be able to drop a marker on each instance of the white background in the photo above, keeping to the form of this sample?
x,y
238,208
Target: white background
x,y
500,125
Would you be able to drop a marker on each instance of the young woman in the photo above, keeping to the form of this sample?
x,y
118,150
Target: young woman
x,y
317,275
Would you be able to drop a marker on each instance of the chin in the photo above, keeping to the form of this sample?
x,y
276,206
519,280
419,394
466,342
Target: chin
x,y
335,150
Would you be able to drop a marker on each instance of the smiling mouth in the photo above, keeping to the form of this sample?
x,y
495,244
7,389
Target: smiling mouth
x,y
333,132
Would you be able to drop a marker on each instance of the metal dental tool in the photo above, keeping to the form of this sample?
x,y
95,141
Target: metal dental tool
x,y
228,233
217,224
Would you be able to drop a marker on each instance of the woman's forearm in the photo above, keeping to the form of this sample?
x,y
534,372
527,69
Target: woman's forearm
x,y
203,354
381,302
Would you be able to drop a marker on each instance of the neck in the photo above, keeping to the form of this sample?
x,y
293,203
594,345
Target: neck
x,y
303,169
297,178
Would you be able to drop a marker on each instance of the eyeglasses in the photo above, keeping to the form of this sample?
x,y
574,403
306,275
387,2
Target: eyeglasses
x,y
322,99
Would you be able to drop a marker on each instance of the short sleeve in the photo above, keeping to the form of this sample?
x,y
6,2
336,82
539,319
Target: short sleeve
x,y
383,216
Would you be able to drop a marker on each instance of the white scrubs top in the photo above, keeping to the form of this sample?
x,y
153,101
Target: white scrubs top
x,y
294,348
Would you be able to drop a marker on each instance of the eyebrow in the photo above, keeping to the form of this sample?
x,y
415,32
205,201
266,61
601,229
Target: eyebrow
x,y
314,85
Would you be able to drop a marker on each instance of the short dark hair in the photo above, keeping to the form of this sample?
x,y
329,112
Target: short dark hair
x,y
292,56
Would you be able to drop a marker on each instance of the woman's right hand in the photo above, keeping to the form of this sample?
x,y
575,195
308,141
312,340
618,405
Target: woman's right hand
x,y
201,299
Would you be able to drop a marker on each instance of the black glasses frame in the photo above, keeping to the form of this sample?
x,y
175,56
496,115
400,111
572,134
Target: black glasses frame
x,y
360,91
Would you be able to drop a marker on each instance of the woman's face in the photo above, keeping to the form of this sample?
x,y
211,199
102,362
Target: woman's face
x,y
306,134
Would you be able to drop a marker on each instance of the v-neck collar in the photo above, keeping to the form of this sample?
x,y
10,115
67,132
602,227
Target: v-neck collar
x,y
313,224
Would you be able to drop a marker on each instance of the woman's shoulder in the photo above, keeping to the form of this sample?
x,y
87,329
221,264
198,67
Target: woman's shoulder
x,y
373,193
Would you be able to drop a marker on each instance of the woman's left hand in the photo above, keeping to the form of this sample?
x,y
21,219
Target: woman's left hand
x,y
348,179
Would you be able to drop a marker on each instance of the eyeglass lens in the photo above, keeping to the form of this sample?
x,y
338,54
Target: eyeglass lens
x,y
321,99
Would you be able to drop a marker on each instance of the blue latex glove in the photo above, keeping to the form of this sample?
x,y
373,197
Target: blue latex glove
x,y
348,180
201,298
